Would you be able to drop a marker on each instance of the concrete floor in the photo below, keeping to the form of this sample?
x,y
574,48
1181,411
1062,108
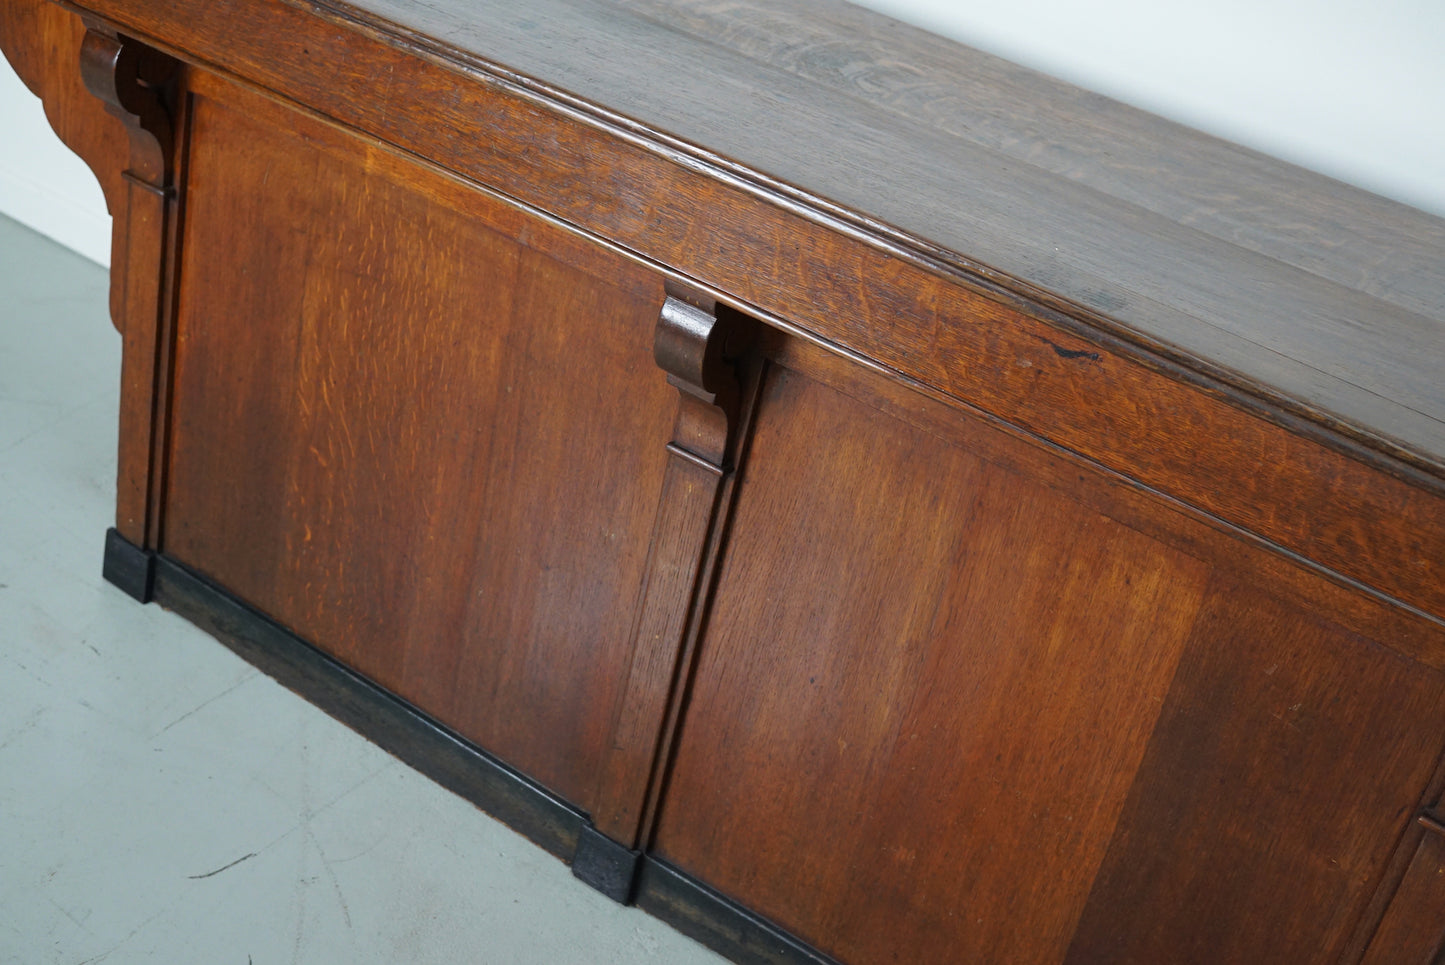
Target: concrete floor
x,y
160,800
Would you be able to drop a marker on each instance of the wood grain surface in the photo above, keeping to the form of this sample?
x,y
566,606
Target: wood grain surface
x,y
380,442
1053,574
1412,932
42,42
1253,780
1251,298
1008,726
1291,474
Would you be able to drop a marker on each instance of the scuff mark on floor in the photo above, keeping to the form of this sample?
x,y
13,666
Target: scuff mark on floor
x,y
202,706
212,874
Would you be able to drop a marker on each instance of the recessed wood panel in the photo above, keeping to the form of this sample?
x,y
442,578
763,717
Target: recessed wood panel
x,y
427,446
950,714
1286,764
922,701
1413,930
1282,468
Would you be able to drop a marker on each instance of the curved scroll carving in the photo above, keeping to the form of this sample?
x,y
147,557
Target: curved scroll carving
x,y
130,78
698,343
695,343
65,60
133,82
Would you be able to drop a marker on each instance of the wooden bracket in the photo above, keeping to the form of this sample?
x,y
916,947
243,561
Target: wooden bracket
x,y
699,344
135,83
130,78
696,343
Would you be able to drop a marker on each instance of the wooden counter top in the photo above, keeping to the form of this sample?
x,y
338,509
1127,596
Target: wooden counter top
x,y
847,494
1323,299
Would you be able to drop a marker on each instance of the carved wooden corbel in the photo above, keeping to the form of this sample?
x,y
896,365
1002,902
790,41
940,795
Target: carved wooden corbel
x,y
698,344
130,78
695,346
133,81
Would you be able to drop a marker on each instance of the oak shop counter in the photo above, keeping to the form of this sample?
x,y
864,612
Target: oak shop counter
x,y
855,497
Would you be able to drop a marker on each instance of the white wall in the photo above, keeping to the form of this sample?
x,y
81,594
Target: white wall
x,y
41,183
1351,88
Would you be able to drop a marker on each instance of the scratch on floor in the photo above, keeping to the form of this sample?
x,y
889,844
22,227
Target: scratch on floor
x,y
26,726
202,706
76,921
330,873
210,874
134,932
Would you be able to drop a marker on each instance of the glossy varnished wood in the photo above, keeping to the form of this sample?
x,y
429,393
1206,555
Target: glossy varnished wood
x,y
886,775
112,100
700,347
1253,779
1412,931
140,87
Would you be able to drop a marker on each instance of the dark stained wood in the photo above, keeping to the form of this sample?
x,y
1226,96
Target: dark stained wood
x,y
1406,921
965,203
1200,535
698,350
1413,931
134,82
883,755
121,126
864,759
1049,570
1251,796
1276,471
382,385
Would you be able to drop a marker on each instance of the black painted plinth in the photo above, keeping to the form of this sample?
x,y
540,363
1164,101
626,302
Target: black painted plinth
x,y
128,567
455,763
604,864
386,720
718,922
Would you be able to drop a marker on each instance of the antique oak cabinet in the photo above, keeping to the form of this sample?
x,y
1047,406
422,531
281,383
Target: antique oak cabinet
x,y
854,497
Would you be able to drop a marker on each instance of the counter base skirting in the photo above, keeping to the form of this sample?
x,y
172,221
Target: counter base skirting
x,y
456,764
129,568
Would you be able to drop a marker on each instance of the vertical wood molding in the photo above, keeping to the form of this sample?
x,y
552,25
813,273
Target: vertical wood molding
x,y
133,82
697,344
1405,919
